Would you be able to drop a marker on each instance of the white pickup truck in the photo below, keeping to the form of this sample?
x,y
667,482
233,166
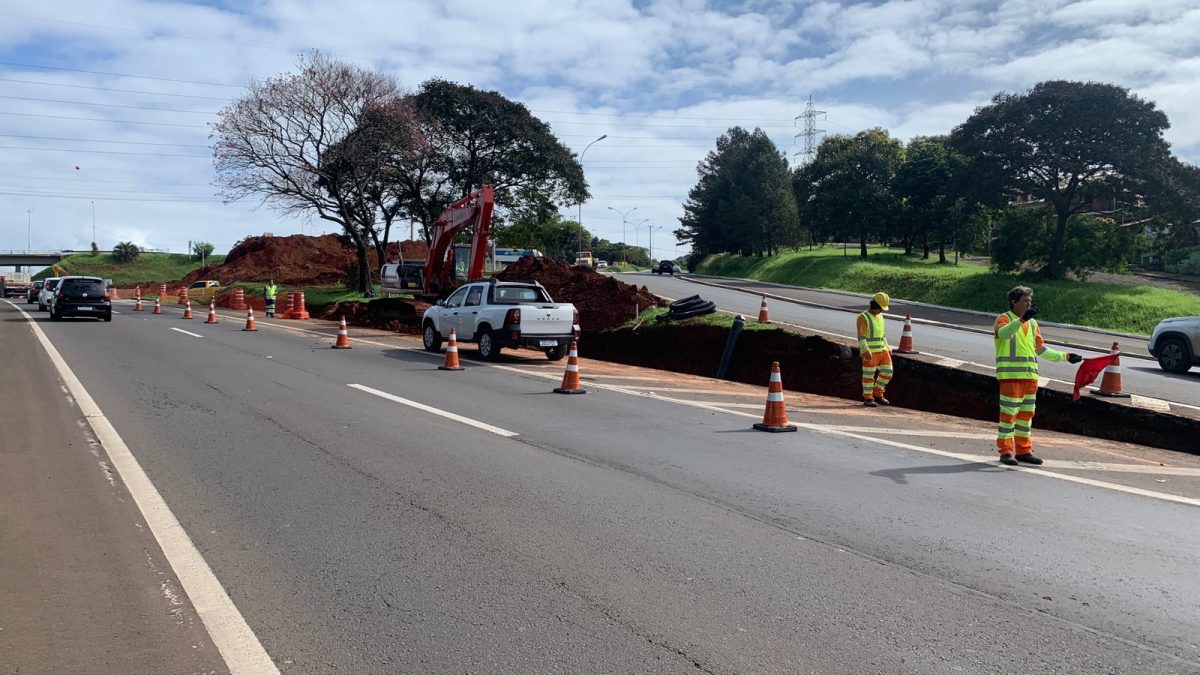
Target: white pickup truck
x,y
496,314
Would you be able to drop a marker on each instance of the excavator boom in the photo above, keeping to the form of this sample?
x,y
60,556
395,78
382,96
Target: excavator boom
x,y
474,211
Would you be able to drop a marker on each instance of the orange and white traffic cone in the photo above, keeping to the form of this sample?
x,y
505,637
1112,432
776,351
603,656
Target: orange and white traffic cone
x,y
187,310
906,341
137,306
250,319
343,338
570,381
775,416
157,306
762,311
451,353
1110,384
212,312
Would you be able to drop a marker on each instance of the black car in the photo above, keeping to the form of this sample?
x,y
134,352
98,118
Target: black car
x,y
666,267
81,296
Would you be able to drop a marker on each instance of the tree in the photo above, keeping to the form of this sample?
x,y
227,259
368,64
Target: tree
x,y
1066,143
126,252
95,250
476,137
272,143
1094,243
743,201
202,250
848,191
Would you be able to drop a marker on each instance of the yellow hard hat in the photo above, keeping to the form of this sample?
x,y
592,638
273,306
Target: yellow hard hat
x,y
881,299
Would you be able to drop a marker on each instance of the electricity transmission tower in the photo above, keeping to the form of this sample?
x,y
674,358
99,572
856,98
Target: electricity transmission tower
x,y
810,133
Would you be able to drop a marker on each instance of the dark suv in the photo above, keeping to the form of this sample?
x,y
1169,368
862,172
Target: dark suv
x,y
81,296
666,267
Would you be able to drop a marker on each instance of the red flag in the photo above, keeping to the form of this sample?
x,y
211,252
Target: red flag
x,y
1090,369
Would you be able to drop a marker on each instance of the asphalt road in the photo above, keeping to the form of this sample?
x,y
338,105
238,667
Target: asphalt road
x,y
614,532
1139,375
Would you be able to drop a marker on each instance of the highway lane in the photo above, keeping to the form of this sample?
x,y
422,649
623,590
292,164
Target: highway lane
x,y
615,532
1140,376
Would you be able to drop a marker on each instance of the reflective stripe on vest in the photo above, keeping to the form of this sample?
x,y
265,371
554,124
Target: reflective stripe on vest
x,y
271,291
1016,357
876,340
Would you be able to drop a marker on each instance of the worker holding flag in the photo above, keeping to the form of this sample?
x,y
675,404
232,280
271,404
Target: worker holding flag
x,y
1019,345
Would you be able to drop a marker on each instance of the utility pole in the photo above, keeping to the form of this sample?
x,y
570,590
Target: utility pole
x,y
810,132
29,229
93,223
624,222
580,215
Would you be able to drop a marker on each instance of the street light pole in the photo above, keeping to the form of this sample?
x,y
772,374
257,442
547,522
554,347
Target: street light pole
x,y
652,228
624,222
635,229
579,216
29,229
93,223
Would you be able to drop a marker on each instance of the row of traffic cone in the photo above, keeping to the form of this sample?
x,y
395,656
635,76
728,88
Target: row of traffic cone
x,y
906,336
570,382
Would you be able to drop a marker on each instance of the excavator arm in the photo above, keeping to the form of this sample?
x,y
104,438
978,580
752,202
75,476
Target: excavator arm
x,y
474,211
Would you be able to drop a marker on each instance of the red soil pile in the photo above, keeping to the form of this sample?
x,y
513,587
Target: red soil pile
x,y
297,260
602,301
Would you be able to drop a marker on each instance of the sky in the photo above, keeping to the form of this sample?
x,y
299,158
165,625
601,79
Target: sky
x,y
105,105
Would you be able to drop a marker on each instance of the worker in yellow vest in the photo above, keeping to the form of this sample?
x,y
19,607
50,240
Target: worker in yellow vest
x,y
875,353
1019,345
269,293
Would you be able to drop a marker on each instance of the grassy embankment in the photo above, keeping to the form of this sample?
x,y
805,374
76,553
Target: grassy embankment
x,y
1129,309
148,267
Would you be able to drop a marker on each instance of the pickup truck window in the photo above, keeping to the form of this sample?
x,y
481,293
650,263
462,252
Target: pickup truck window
x,y
515,295
474,296
456,300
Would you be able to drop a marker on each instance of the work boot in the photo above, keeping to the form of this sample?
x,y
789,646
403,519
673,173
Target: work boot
x,y
1029,458
882,401
870,403
1007,458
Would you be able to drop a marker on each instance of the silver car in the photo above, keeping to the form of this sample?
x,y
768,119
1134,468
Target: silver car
x,y
47,292
1175,343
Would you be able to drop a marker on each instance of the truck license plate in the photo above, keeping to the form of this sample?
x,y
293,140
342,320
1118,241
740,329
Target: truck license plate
x,y
548,343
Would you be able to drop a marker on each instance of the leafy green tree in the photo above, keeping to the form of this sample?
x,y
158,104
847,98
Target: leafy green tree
x,y
126,252
202,250
848,190
95,250
924,185
1066,143
1024,237
743,201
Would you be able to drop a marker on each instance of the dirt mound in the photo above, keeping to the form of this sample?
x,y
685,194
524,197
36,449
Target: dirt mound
x,y
297,260
602,301
393,314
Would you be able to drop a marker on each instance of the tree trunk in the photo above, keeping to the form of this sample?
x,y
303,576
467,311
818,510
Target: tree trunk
x,y
942,251
925,246
862,247
1056,249
364,267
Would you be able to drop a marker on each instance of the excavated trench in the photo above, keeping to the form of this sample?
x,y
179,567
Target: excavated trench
x,y
816,365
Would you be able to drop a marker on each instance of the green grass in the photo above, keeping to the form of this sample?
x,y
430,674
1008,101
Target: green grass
x,y
148,267
1130,309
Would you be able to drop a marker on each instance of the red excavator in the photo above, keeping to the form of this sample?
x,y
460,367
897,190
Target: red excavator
x,y
447,266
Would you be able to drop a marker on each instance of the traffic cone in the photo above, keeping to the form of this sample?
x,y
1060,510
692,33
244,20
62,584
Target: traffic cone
x,y
157,306
451,353
187,310
570,381
250,319
343,338
287,309
137,306
1110,384
212,312
906,341
762,311
775,416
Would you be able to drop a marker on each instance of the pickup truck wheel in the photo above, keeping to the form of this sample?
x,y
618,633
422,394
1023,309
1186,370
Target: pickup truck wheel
x,y
488,349
1174,356
557,353
430,337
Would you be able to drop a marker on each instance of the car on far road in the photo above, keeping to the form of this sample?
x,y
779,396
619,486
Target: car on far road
x,y
35,289
47,291
666,267
81,296
1175,342
601,264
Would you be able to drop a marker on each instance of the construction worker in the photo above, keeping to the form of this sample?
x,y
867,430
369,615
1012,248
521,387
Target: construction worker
x,y
1019,344
269,292
876,356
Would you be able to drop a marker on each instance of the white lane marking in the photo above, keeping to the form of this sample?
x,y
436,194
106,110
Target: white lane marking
x,y
436,411
675,390
180,330
240,648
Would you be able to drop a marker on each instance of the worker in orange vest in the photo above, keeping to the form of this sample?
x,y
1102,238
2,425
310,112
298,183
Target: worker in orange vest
x,y
874,350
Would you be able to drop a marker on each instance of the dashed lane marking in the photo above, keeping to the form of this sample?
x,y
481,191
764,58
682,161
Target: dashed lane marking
x,y
435,411
234,639
186,332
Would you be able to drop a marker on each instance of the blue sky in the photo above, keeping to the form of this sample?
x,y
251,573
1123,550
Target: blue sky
x,y
662,79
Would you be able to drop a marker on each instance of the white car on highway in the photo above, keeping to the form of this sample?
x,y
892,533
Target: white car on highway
x,y
496,314
47,292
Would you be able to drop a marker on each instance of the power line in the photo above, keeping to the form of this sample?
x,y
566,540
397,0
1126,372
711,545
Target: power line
x,y
123,91
94,140
101,119
138,77
102,152
109,105
99,198
75,181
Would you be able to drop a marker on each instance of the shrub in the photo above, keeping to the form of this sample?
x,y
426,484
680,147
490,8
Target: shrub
x,y
126,252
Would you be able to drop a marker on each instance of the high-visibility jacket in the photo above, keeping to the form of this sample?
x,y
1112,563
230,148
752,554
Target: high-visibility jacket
x,y
1018,346
269,291
870,333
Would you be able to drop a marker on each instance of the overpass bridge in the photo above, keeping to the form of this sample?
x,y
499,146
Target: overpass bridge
x,y
32,258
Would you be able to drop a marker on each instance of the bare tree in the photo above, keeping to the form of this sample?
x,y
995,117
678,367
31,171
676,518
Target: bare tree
x,y
274,142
